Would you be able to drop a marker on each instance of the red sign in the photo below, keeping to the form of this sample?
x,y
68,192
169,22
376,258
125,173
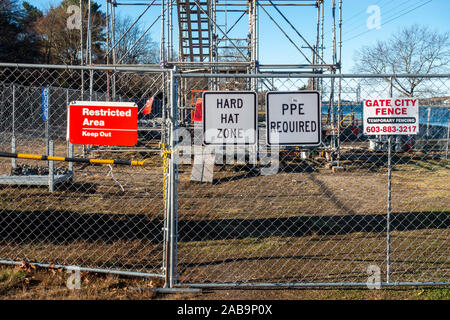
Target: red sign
x,y
103,123
391,116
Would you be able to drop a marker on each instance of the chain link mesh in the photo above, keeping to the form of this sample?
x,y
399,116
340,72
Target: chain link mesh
x,y
97,216
319,218
322,216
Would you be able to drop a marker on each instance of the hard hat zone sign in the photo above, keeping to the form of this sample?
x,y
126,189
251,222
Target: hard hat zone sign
x,y
391,116
293,118
229,118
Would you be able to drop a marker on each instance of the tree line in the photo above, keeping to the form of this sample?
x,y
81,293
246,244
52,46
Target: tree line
x,y
29,35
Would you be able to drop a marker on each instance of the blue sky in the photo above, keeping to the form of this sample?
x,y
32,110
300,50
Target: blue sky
x,y
275,48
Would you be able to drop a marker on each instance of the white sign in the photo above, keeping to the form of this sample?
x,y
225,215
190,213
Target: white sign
x,y
229,117
293,118
391,116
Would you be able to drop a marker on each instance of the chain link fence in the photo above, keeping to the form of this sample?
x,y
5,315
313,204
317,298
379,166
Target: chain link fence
x,y
322,217
102,218
354,207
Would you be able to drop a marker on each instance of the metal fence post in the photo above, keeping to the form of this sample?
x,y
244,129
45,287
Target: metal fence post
x,y
167,214
171,191
427,143
338,142
69,145
448,136
388,222
13,137
51,168
173,170
388,209
47,125
164,111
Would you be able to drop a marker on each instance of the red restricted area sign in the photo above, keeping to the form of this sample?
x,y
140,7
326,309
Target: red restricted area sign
x,y
102,123
391,116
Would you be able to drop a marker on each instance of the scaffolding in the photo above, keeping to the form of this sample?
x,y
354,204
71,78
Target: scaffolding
x,y
207,28
212,38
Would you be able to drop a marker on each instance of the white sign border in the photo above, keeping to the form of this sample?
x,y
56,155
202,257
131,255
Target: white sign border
x,y
113,104
319,120
364,114
255,120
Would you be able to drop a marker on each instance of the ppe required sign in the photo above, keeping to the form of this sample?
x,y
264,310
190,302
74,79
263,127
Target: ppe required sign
x,y
293,118
229,118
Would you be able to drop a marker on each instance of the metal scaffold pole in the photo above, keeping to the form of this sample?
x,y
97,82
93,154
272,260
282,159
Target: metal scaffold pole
x,y
89,51
172,203
82,49
339,61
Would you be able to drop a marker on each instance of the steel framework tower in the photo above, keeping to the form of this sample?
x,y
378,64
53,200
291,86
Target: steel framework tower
x,y
210,38
205,30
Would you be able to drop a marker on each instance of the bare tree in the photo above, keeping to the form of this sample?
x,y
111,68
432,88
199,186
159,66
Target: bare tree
x,y
135,46
61,45
411,50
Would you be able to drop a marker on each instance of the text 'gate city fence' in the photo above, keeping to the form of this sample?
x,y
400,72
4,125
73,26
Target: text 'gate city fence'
x,y
348,209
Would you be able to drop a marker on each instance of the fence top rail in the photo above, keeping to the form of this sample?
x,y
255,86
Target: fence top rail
x,y
92,67
18,85
307,75
156,68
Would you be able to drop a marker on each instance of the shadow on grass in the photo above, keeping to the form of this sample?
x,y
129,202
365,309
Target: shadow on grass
x,y
62,227
309,225
372,162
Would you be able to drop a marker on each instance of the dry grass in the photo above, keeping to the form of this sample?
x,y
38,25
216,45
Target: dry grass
x,y
26,283
301,225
